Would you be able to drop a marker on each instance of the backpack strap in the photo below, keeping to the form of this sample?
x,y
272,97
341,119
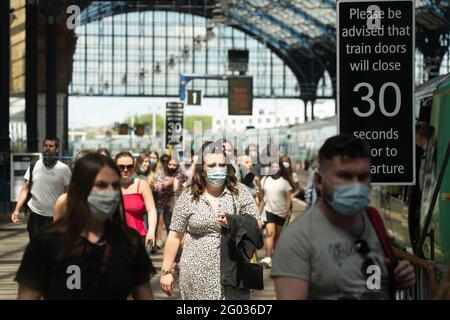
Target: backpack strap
x,y
32,165
383,238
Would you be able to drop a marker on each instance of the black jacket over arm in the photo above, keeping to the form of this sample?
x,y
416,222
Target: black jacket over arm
x,y
238,244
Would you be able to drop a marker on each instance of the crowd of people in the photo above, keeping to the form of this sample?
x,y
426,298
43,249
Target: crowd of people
x,y
93,228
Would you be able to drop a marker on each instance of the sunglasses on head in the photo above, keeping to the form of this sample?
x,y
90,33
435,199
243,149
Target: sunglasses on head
x,y
123,167
362,247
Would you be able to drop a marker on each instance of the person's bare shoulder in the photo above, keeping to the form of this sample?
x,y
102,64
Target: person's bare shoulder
x,y
60,207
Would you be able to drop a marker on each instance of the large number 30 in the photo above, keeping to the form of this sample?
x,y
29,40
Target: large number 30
x,y
368,98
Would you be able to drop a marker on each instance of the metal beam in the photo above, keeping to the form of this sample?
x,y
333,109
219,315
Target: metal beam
x,y
277,47
186,78
5,58
327,30
435,7
330,3
271,19
31,87
51,78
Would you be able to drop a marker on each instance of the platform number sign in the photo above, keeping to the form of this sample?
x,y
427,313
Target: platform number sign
x,y
375,83
174,123
194,98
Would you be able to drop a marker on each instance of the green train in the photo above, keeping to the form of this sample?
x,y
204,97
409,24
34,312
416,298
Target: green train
x,y
397,202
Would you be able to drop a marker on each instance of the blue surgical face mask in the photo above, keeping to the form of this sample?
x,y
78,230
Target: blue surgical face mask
x,y
286,164
349,199
216,176
274,171
103,204
153,162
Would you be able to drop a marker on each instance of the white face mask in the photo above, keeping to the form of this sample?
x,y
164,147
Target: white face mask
x,y
286,165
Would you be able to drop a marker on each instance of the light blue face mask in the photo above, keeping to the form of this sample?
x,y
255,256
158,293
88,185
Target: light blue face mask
x,y
350,199
103,204
216,176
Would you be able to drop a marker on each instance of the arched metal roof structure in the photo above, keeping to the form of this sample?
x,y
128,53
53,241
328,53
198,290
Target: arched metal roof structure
x,y
301,32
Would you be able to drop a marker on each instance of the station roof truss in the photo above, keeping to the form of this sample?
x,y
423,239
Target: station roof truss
x,y
298,31
305,26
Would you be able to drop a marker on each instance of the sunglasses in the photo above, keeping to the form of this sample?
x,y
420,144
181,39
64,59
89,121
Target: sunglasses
x,y
362,247
122,167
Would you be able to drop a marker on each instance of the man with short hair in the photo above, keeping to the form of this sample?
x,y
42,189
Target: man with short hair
x,y
334,250
50,179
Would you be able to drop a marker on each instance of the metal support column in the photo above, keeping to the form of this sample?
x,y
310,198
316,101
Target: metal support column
x,y
51,79
66,126
306,110
31,88
5,64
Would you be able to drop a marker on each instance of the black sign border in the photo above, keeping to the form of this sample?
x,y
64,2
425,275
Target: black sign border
x,y
166,145
409,183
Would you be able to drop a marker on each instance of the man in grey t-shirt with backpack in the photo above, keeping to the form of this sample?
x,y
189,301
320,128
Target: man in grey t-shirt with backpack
x,y
339,248
45,180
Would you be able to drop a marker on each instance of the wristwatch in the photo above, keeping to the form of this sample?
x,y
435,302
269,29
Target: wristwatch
x,y
164,272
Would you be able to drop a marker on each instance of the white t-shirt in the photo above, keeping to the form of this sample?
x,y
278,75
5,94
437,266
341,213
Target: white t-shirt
x,y
48,185
274,194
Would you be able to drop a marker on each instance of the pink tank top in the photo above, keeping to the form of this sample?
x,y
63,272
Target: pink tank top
x,y
134,211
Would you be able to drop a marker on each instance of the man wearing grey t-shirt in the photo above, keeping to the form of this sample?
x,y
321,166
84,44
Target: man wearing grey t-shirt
x,y
332,250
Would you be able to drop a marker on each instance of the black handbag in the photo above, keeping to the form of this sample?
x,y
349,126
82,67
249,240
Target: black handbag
x,y
250,276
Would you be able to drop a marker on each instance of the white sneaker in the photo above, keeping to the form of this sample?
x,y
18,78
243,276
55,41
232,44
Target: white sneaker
x,y
267,262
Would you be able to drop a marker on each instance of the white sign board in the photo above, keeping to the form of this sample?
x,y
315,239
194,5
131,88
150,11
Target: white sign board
x,y
19,165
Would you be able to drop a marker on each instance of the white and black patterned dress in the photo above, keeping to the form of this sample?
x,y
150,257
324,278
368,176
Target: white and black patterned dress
x,y
200,261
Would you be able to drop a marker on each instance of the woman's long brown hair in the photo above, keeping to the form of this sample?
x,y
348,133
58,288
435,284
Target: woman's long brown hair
x,y
77,214
287,173
198,185
153,172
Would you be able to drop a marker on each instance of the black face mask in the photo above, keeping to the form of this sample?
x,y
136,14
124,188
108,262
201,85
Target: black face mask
x,y
172,171
49,158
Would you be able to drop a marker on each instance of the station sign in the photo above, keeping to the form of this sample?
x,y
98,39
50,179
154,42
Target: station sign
x,y
375,83
194,97
174,123
240,96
